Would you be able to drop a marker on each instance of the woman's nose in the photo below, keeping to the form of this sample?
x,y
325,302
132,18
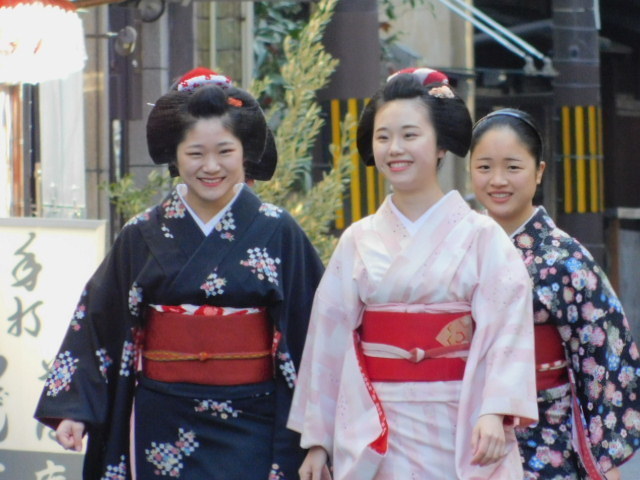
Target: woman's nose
x,y
211,163
498,177
396,145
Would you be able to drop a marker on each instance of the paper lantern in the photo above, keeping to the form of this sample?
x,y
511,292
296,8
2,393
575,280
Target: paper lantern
x,y
39,40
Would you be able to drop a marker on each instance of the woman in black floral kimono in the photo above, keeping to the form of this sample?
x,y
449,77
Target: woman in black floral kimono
x,y
192,328
587,363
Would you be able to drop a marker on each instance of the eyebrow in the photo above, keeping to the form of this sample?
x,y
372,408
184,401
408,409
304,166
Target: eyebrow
x,y
403,127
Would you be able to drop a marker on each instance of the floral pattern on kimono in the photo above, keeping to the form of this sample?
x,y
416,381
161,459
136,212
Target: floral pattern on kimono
x,y
458,261
572,292
257,256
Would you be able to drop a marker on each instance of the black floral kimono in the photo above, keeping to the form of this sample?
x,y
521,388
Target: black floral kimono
x,y
572,292
256,256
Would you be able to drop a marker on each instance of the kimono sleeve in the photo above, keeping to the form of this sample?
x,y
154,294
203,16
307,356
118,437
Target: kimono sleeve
x,y
603,356
334,316
301,270
503,343
97,348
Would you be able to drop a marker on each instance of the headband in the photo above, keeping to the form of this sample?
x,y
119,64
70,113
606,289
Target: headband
x,y
513,113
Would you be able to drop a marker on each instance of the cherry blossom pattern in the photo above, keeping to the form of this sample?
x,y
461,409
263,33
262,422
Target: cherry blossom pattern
x,y
116,472
276,473
226,225
174,207
167,457
78,315
213,285
165,230
287,368
59,378
135,299
270,210
104,362
128,356
262,265
223,410
141,217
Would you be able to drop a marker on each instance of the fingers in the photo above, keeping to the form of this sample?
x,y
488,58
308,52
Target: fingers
x,y
487,440
314,466
69,434
613,474
77,433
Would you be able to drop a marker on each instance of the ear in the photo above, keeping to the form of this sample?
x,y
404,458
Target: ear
x,y
539,172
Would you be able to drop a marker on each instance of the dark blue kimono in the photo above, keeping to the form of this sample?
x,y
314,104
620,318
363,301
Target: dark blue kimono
x,y
256,256
573,293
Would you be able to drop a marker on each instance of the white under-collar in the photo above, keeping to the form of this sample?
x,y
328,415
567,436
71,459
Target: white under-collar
x,y
521,227
411,226
208,227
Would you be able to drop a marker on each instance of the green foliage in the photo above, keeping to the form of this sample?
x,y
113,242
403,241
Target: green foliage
x,y
273,23
306,69
389,6
129,199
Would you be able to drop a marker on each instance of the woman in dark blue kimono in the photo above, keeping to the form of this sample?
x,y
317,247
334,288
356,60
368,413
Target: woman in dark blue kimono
x,y
191,329
587,363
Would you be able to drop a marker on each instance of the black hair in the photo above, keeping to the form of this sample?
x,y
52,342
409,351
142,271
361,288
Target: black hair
x,y
449,115
523,125
175,113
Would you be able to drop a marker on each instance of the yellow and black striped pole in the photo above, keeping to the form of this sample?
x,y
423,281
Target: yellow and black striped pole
x,y
577,98
367,188
356,78
582,159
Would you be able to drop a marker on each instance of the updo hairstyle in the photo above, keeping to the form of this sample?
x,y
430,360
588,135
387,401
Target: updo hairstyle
x,y
448,114
176,112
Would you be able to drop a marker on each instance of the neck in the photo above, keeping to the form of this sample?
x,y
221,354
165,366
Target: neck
x,y
413,205
510,225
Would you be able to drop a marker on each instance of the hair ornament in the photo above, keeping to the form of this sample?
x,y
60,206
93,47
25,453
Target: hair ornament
x,y
202,76
443,91
234,102
424,74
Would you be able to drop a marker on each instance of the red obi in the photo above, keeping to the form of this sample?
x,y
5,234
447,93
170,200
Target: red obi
x,y
414,347
551,362
208,349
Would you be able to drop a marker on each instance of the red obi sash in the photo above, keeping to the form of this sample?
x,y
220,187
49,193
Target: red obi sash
x,y
412,347
208,349
551,363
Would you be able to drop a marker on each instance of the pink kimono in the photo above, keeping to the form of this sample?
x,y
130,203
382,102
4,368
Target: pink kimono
x,y
458,261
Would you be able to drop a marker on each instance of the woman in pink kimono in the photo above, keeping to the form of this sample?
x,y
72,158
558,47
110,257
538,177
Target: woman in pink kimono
x,y
419,358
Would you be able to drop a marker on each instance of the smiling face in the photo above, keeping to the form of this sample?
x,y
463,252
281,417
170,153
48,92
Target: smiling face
x,y
505,176
405,147
210,162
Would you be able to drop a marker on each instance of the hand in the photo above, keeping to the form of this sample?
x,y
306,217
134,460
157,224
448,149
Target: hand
x,y
487,440
315,466
613,474
69,434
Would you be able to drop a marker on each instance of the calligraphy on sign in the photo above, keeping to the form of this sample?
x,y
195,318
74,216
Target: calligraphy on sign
x,y
35,310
